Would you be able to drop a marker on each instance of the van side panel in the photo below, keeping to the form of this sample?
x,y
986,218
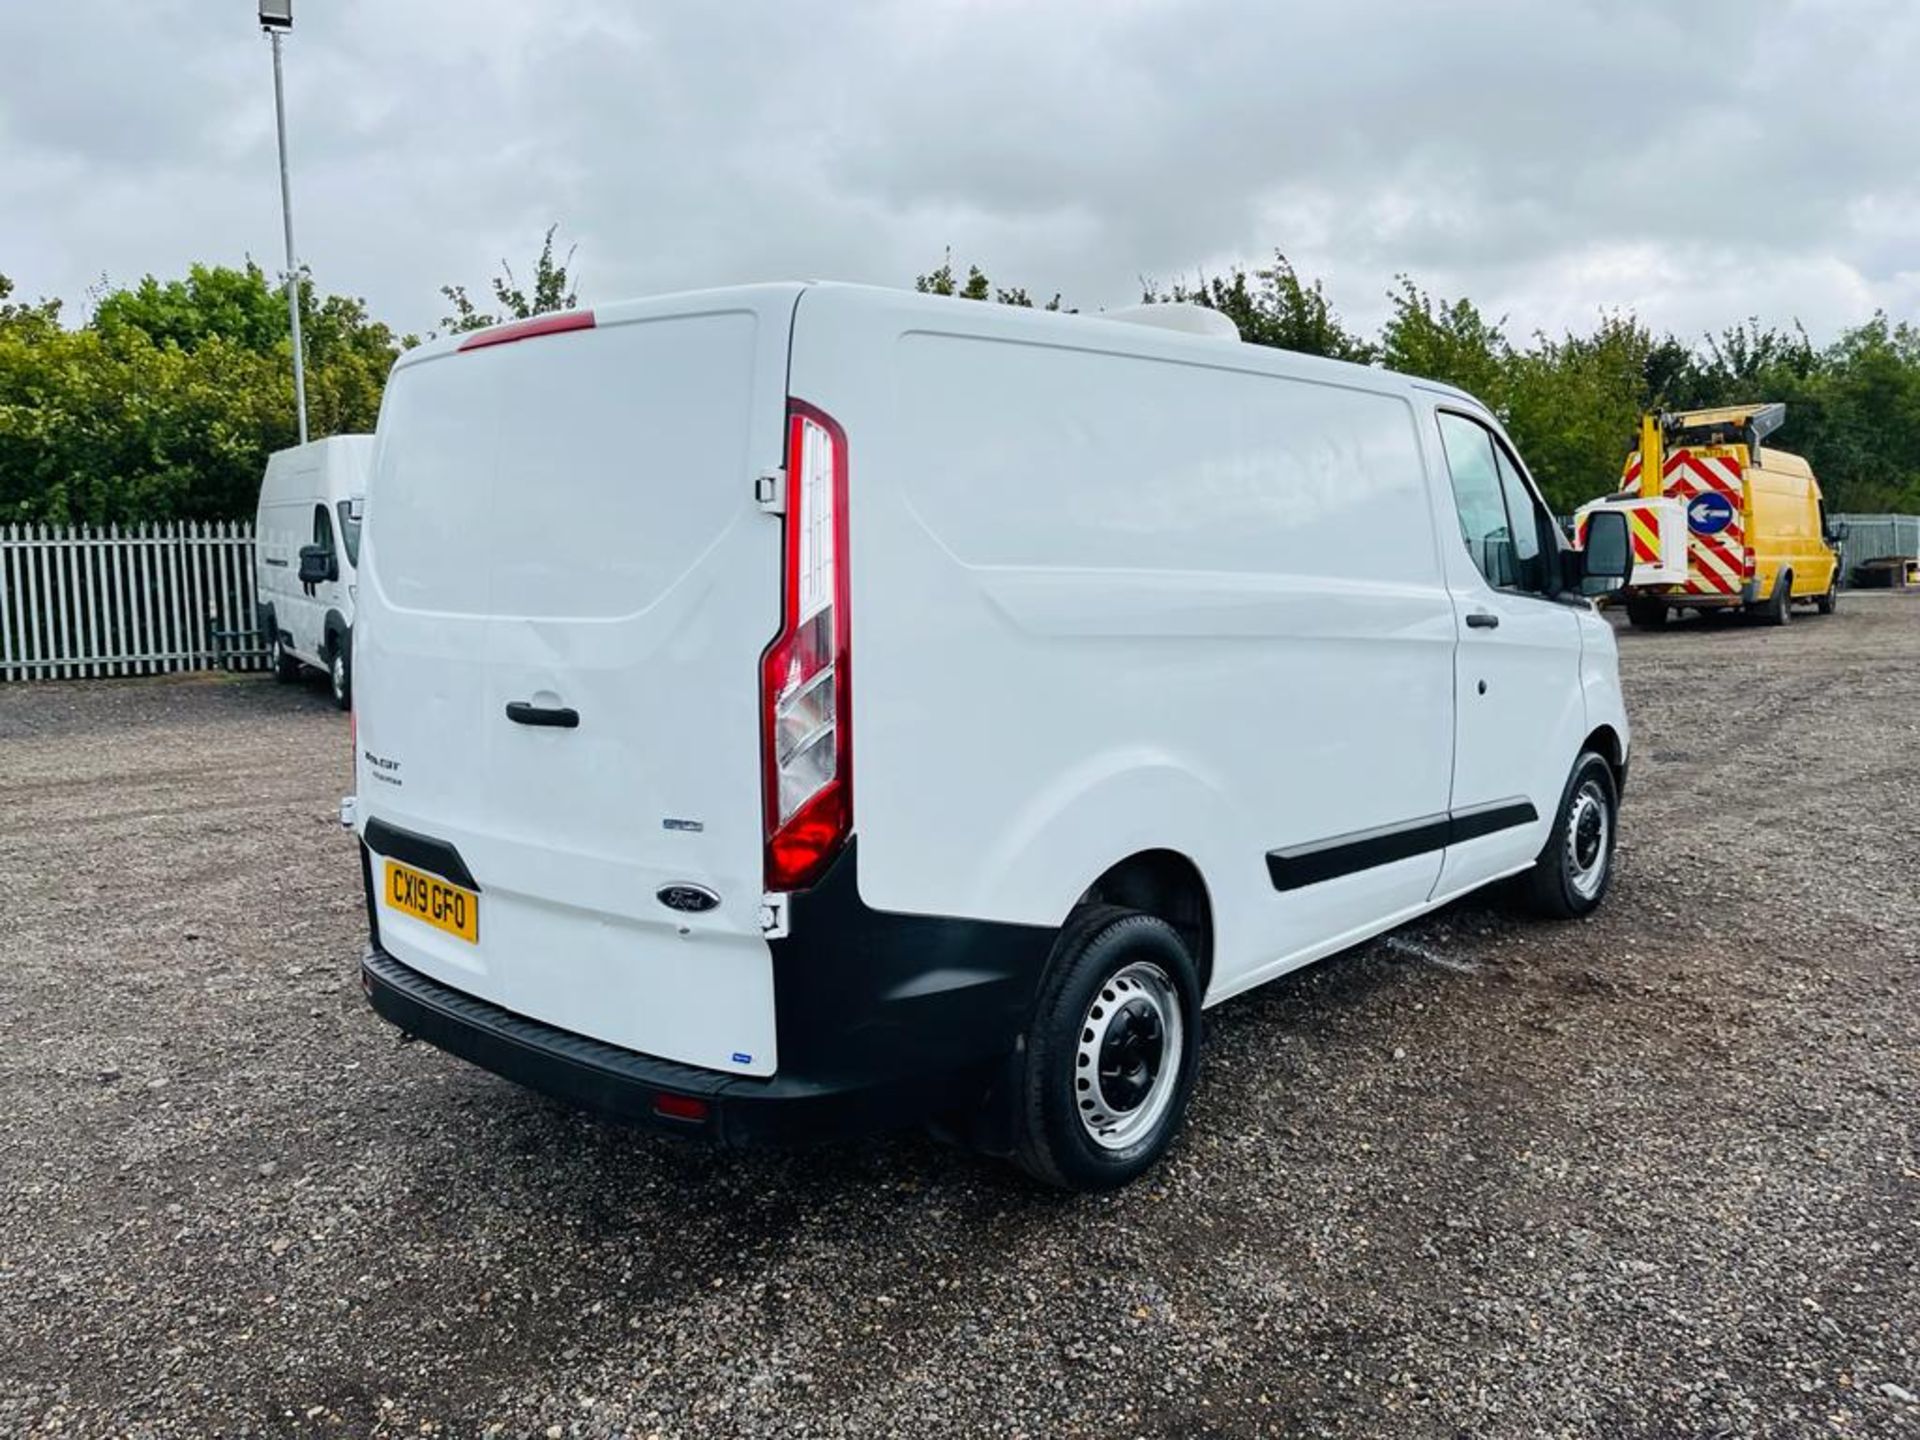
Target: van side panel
x,y
1786,531
1161,593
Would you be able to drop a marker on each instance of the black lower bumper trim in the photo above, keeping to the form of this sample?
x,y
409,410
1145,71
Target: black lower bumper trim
x,y
572,1067
627,1085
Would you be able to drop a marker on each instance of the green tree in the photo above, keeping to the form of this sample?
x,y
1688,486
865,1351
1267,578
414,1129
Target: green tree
x,y
168,401
553,289
237,305
20,318
1857,417
1446,341
1572,406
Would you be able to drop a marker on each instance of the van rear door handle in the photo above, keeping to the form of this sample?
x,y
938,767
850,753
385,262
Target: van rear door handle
x,y
1482,620
558,717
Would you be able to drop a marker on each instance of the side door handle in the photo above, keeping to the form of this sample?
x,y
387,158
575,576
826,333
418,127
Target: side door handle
x,y
558,717
1482,620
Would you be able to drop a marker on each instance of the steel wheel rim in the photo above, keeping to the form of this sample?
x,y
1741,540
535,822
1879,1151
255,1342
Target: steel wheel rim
x,y
339,673
1589,839
274,655
1127,1062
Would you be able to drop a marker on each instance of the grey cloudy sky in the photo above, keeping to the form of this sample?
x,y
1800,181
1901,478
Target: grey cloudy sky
x,y
1694,160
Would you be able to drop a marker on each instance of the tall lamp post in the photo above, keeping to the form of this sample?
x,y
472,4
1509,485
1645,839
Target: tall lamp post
x,y
276,18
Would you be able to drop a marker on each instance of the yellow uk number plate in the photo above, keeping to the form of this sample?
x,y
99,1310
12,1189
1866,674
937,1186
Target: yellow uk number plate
x,y
429,898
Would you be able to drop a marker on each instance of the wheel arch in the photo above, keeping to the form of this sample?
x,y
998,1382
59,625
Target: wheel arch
x,y
1167,884
1605,741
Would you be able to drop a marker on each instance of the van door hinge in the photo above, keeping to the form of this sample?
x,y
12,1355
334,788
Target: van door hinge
x,y
770,491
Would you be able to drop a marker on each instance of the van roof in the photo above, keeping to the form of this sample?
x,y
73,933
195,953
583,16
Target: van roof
x,y
336,466
1114,333
319,450
1782,462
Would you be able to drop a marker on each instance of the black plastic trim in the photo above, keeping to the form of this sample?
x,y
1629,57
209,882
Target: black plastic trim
x,y
1322,860
373,904
1303,865
422,851
1489,819
867,996
556,1062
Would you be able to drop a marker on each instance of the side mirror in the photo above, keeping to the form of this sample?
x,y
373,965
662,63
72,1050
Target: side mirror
x,y
316,565
1606,561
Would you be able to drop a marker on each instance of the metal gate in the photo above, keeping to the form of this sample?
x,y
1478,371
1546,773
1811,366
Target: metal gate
x,y
78,601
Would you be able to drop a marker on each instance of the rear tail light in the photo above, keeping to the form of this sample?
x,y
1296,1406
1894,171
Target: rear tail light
x,y
806,703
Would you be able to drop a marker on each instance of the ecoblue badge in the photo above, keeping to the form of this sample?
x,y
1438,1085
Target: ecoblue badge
x,y
1710,513
741,1058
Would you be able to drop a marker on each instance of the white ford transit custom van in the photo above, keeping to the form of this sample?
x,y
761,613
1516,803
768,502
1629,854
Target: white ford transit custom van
x,y
306,548
804,708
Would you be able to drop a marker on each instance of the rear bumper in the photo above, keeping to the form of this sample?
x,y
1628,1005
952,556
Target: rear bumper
x,y
884,1021
1675,598
610,1081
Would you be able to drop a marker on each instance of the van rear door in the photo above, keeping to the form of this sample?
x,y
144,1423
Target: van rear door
x,y
567,589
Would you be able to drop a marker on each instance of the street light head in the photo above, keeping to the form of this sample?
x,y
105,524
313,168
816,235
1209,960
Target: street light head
x,y
276,14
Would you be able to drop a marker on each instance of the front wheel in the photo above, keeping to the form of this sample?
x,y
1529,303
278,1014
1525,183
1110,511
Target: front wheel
x,y
1830,601
1112,1051
1572,874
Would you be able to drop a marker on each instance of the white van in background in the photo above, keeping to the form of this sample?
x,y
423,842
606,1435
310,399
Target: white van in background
x,y
307,547
798,709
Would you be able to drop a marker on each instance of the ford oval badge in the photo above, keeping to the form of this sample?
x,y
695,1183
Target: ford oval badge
x,y
692,899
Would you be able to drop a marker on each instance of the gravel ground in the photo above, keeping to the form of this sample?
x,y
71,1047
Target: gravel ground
x,y
1655,1174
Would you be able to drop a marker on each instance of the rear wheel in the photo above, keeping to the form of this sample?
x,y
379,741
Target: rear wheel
x,y
285,668
1572,874
1646,614
1780,607
1111,1053
340,671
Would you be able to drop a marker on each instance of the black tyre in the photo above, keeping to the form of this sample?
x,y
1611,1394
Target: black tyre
x,y
1780,605
1830,602
1647,614
285,668
1111,1052
1574,870
340,670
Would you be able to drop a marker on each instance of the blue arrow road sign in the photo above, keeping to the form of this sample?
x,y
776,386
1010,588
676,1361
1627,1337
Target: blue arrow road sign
x,y
1710,513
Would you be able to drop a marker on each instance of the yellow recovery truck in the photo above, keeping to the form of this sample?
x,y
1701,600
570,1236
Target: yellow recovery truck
x,y
1720,522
